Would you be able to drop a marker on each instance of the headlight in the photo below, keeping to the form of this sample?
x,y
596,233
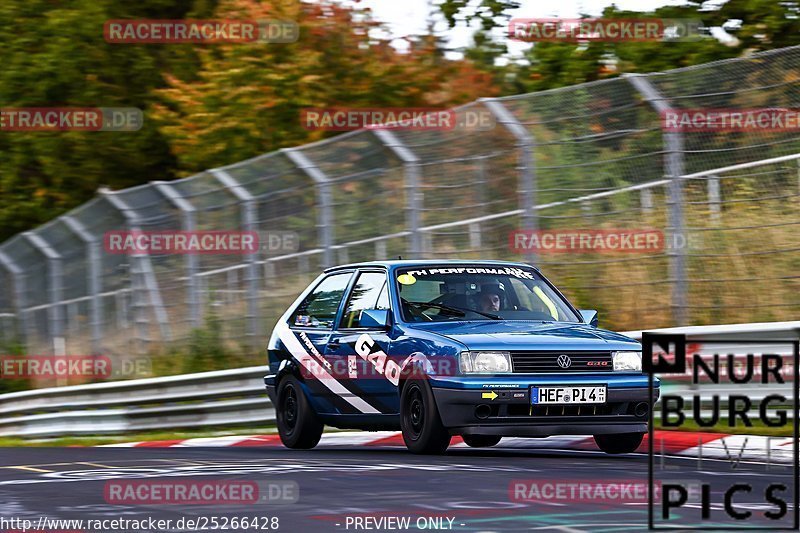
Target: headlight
x,y
485,362
627,361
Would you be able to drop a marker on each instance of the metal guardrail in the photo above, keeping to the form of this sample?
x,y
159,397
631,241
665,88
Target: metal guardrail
x,y
208,399
221,398
774,331
752,333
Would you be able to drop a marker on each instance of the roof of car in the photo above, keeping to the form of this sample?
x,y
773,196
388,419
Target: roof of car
x,y
400,263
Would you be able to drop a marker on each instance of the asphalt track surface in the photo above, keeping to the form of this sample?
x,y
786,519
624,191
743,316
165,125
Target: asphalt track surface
x,y
336,486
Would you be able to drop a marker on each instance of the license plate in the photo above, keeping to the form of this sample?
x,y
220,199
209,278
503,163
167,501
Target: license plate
x,y
568,395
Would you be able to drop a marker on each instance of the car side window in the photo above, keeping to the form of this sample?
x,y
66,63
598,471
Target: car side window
x,y
383,298
368,293
318,309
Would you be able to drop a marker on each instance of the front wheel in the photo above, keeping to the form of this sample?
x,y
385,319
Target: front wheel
x,y
298,425
481,441
422,427
619,443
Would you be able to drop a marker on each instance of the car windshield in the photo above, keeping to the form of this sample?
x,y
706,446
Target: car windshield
x,y
435,294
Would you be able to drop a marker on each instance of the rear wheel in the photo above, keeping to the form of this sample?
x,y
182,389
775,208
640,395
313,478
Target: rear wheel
x,y
481,441
619,443
298,425
422,427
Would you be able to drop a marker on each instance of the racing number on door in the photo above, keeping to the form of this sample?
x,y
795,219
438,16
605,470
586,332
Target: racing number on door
x,y
378,359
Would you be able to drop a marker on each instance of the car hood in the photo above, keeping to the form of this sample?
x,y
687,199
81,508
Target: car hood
x,y
523,335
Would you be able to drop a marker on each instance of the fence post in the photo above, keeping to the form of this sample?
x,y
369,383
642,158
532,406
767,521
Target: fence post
x,y
476,229
248,216
302,264
426,238
93,279
233,283
121,305
269,270
714,199
673,146
342,255
413,195
325,219
189,223
55,287
20,300
475,237
646,200
380,250
586,210
527,166
142,276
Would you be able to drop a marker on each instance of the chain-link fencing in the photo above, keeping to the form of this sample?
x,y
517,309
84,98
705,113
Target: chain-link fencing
x,y
595,156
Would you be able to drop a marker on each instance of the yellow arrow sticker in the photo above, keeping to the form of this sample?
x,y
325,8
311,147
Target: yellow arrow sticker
x,y
491,395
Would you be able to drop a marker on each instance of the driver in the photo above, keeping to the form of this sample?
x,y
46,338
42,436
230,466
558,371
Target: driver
x,y
490,299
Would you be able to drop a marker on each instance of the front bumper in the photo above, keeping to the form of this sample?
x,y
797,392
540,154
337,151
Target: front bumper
x,y
269,383
501,406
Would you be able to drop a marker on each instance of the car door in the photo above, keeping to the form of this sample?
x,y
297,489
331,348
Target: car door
x,y
312,324
361,352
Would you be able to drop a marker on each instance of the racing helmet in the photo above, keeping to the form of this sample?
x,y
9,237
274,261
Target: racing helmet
x,y
496,287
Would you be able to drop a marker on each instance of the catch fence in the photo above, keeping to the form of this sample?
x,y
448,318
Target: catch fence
x,y
592,156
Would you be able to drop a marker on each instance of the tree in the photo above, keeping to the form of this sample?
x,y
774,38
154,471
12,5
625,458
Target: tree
x,y
54,55
248,97
490,13
766,24
754,25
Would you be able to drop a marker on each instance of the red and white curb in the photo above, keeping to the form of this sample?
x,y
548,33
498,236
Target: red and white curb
x,y
670,443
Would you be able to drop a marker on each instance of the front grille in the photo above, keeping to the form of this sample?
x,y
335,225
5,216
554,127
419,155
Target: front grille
x,y
530,362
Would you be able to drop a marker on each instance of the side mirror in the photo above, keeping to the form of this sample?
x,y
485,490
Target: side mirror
x,y
375,319
589,317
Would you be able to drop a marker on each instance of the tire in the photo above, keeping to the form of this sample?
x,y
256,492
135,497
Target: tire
x,y
619,442
422,427
298,425
481,441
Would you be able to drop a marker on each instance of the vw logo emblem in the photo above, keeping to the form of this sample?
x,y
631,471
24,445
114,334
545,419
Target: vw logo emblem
x,y
564,361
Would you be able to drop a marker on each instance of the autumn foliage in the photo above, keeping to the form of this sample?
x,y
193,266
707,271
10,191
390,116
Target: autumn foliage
x,y
247,99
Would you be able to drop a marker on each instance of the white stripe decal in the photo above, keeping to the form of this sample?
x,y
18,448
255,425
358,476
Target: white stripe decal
x,y
299,352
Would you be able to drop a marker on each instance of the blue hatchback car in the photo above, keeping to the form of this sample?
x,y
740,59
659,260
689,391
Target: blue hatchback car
x,y
481,349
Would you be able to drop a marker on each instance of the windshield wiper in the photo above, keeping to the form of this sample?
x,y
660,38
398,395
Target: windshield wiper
x,y
457,309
